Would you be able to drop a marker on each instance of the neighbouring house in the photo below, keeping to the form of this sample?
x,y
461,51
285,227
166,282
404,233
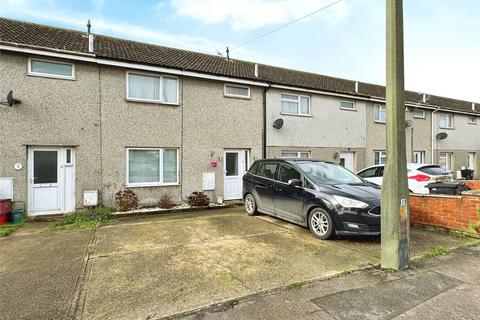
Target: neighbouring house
x,y
99,114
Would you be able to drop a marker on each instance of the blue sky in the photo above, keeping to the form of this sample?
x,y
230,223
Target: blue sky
x,y
347,40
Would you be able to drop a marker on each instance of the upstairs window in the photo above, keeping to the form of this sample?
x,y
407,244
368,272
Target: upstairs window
x,y
380,113
420,114
347,105
445,121
294,104
150,88
236,91
51,69
472,120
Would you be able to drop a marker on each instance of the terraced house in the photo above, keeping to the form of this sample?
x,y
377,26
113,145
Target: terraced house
x,y
100,113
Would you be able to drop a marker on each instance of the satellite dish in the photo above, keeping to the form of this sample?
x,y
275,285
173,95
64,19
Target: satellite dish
x,y
408,123
441,135
278,124
11,100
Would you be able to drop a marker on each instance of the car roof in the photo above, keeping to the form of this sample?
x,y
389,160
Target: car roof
x,y
410,166
293,160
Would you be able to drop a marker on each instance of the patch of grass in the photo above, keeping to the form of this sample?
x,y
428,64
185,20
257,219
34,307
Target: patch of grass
x,y
85,219
9,228
439,250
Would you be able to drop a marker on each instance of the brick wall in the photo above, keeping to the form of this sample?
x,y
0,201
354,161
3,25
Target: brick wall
x,y
450,212
472,184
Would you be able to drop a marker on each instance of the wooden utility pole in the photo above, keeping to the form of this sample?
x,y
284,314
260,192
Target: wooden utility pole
x,y
395,210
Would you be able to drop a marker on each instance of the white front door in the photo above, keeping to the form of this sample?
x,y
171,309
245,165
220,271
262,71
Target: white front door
x,y
346,160
51,179
235,166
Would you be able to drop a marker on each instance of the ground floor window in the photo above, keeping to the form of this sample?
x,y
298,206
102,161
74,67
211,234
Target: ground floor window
x,y
151,167
295,154
446,160
380,157
418,157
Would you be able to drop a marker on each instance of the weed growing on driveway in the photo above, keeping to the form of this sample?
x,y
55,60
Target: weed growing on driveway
x,y
85,219
9,228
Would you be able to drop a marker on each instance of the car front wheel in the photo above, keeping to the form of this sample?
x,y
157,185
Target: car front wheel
x,y
321,224
250,205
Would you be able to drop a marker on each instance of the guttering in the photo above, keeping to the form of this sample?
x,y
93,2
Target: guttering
x,y
434,138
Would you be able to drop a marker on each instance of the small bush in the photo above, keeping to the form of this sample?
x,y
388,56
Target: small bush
x,y
198,199
166,201
84,219
126,200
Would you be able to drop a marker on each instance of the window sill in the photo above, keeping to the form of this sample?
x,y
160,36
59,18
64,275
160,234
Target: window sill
x,y
152,102
423,118
150,185
348,109
296,115
237,97
472,123
42,75
380,122
443,128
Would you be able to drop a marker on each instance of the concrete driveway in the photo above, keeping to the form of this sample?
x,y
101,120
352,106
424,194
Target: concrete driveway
x,y
148,268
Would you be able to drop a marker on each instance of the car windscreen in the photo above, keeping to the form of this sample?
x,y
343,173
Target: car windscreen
x,y
433,170
328,173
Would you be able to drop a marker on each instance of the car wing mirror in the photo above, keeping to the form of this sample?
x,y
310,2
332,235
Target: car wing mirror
x,y
295,183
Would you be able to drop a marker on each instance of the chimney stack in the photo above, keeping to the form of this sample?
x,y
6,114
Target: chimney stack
x,y
90,38
356,86
256,70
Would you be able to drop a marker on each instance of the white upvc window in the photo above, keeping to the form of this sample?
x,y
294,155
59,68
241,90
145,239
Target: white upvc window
x,y
445,121
236,91
295,104
472,120
380,157
147,167
446,159
145,87
296,154
379,113
420,114
347,105
418,157
471,160
51,69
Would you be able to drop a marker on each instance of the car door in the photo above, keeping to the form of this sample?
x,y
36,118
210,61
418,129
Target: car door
x,y
288,199
264,183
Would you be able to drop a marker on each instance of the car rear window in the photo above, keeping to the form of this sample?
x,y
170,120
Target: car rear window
x,y
433,170
268,170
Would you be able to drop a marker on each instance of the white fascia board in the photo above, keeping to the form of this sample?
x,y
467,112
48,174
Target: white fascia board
x,y
56,54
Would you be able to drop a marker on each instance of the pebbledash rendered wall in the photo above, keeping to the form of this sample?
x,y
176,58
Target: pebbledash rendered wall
x,y
53,113
326,132
92,115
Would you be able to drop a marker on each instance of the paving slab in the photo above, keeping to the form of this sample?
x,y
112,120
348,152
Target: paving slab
x,y
39,274
386,299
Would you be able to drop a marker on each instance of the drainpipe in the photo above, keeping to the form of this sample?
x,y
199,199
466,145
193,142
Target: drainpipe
x,y
264,138
433,137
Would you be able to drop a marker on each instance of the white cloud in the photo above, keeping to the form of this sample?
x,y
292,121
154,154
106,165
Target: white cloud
x,y
253,14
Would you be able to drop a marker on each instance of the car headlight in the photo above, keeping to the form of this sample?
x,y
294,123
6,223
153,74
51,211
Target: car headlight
x,y
350,203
